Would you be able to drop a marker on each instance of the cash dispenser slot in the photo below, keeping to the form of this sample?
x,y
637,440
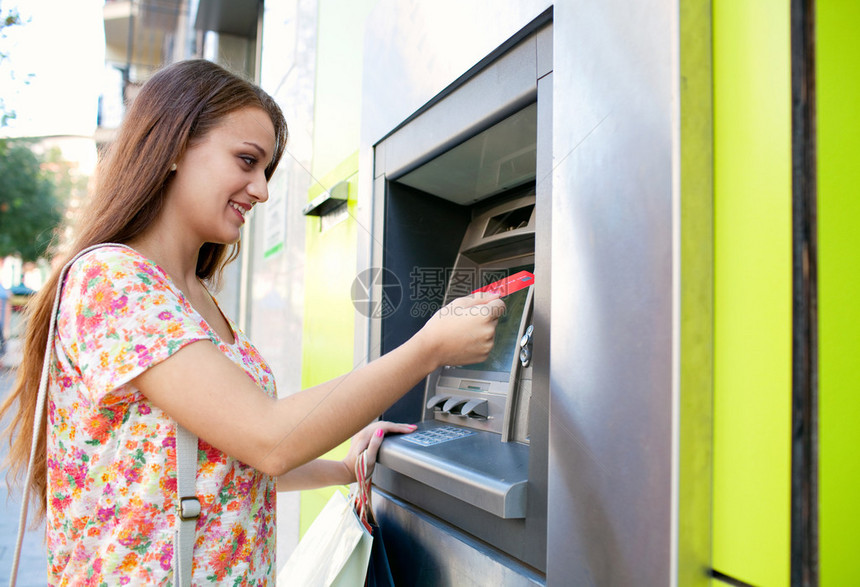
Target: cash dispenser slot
x,y
454,403
437,401
462,406
475,408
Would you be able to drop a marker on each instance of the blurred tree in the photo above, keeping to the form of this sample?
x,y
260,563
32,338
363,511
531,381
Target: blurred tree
x,y
30,210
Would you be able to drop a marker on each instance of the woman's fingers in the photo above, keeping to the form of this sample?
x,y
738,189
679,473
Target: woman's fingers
x,y
479,304
462,332
481,297
380,429
373,449
497,307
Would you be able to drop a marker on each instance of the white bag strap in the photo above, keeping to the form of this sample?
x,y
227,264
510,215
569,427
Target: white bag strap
x,y
189,505
186,456
360,497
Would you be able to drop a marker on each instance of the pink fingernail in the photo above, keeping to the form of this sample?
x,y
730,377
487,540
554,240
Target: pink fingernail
x,y
380,433
413,426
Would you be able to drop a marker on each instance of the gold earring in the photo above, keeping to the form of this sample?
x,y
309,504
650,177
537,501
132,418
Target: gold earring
x,y
173,167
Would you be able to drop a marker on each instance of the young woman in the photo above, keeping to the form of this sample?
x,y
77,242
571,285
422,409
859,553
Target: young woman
x,y
141,344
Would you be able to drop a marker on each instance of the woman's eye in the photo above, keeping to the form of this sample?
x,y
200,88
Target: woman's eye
x,y
248,159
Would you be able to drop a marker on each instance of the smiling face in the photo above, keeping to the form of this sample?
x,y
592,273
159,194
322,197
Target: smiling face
x,y
220,178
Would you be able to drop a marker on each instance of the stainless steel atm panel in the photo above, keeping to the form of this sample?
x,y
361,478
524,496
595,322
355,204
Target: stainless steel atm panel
x,y
627,474
466,208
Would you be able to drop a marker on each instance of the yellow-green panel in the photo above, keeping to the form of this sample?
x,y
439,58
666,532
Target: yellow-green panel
x,y
314,500
697,267
752,290
327,339
838,122
329,316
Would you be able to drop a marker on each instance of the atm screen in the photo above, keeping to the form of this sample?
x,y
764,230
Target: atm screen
x,y
506,342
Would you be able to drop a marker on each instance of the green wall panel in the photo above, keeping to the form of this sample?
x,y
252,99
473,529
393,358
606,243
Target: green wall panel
x,y
752,291
697,295
329,318
838,122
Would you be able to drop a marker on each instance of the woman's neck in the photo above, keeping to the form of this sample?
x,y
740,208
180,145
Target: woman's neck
x,y
178,259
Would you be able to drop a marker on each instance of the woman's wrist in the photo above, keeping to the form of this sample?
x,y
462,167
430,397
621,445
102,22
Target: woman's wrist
x,y
426,350
345,474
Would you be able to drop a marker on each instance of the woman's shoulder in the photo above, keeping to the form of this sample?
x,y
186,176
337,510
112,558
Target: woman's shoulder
x,y
107,253
116,267
111,258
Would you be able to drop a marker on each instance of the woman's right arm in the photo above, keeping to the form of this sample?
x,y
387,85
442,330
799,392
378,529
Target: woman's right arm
x,y
213,398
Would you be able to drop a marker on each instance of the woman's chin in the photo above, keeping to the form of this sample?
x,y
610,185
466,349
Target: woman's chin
x,y
226,238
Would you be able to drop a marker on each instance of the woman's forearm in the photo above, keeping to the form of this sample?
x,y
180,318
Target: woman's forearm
x,y
335,410
315,474
215,399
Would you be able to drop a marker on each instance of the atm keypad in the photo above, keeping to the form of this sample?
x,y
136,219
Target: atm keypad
x,y
435,436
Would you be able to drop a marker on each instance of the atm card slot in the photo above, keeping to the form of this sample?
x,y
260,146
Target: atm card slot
x,y
472,385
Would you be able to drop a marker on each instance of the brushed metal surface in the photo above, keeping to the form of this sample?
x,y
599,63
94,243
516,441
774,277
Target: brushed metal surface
x,y
423,550
611,404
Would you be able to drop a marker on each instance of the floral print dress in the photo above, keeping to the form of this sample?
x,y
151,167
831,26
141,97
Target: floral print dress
x,y
111,454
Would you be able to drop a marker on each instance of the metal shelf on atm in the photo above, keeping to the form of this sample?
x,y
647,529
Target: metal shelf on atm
x,y
471,465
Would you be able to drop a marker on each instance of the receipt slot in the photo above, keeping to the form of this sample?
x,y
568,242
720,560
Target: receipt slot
x,y
460,200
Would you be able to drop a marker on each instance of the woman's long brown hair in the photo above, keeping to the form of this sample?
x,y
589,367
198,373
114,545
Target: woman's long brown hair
x,y
176,108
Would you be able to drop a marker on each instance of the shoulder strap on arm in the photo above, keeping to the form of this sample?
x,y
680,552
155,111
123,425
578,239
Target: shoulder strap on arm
x,y
189,505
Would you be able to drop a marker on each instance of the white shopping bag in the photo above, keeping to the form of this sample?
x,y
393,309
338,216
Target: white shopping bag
x,y
334,551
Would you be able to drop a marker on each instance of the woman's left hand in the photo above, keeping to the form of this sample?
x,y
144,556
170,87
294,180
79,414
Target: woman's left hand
x,y
370,437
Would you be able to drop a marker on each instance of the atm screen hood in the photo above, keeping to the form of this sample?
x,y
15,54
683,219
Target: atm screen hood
x,y
500,157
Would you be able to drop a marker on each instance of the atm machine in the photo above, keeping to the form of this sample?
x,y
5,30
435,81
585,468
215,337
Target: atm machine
x,y
461,201
484,406
585,111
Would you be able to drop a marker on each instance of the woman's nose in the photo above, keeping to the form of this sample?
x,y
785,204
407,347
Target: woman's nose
x,y
259,188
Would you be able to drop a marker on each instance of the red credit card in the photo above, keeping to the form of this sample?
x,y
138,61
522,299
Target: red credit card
x,y
509,284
